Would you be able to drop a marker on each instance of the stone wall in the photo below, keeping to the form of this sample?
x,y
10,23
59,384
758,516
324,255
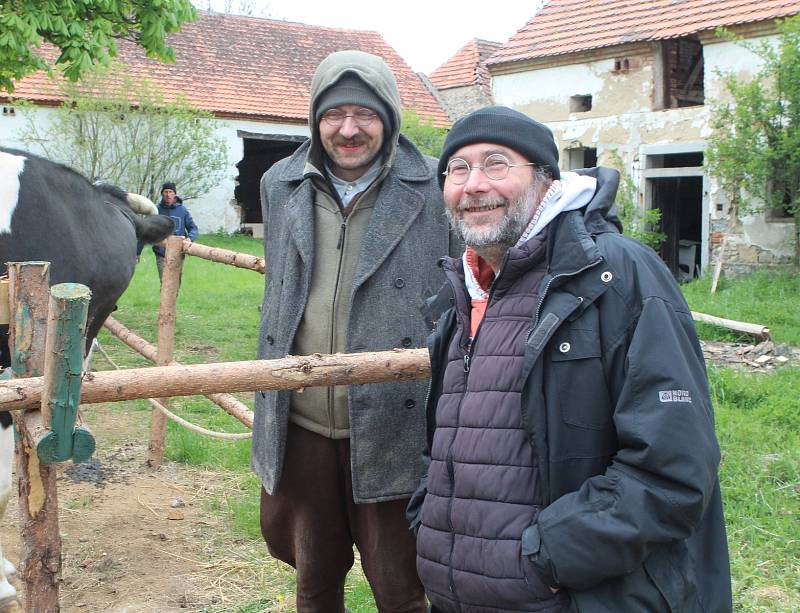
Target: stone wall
x,y
742,258
458,101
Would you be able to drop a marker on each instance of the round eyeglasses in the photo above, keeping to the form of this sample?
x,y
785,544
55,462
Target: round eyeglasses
x,y
495,167
336,117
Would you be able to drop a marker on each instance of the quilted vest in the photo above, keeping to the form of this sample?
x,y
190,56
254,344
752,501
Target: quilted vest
x,y
482,480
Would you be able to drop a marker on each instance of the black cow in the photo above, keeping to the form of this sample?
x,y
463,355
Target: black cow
x,y
49,212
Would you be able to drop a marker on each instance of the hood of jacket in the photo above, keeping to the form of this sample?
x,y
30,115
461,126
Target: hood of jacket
x,y
601,213
374,72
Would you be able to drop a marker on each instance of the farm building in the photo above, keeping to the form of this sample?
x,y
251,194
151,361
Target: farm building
x,y
636,79
254,75
463,82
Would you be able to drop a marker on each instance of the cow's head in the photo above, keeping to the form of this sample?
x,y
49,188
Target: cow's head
x,y
150,226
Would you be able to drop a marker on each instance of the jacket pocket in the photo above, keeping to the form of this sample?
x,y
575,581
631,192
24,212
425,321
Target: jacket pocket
x,y
577,372
670,569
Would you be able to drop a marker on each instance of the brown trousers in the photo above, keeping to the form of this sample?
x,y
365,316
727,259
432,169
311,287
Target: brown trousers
x,y
312,524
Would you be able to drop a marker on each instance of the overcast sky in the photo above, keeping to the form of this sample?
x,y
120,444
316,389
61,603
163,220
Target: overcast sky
x,y
426,33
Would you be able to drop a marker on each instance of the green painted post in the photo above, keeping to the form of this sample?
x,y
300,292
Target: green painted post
x,y
63,369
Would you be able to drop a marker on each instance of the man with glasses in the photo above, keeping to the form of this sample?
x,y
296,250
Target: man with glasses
x,y
572,459
354,226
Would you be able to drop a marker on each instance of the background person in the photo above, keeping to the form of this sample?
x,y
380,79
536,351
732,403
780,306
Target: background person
x,y
354,227
572,454
171,205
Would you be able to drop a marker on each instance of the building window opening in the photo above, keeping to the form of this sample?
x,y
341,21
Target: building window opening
x,y
682,68
580,104
581,157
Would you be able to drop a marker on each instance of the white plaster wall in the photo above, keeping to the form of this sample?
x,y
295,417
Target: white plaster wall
x,y
550,84
729,57
215,210
11,125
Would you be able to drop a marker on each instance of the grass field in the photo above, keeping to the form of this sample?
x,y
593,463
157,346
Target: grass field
x,y
758,417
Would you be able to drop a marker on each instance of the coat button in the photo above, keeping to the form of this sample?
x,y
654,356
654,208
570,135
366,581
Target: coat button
x,y
398,283
606,277
270,340
410,403
564,347
407,342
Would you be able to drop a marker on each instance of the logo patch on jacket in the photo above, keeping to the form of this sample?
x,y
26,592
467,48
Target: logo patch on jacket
x,y
674,396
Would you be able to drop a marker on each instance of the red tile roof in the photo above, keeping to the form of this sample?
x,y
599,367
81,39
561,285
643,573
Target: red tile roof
x,y
253,68
567,26
466,67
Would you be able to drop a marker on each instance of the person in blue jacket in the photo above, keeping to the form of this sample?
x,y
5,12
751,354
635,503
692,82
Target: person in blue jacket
x,y
171,205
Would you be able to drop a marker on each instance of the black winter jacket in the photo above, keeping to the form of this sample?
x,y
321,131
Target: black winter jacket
x,y
617,408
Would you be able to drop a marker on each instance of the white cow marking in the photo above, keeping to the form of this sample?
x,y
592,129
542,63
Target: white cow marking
x,y
7,591
11,167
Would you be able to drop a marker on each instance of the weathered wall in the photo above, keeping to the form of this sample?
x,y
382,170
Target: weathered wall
x,y
458,101
213,211
623,120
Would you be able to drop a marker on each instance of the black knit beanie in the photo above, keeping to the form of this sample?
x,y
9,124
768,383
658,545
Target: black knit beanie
x,y
168,185
504,126
350,89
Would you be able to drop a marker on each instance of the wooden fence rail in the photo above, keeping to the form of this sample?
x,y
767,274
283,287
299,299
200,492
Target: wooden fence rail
x,y
231,405
293,372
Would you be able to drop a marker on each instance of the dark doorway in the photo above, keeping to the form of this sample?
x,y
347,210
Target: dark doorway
x,y
260,153
680,201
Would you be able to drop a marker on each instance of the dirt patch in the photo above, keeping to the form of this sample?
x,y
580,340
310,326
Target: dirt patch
x,y
137,540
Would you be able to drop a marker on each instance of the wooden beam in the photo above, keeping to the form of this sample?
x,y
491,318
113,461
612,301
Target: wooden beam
x,y
292,372
758,331
227,402
170,285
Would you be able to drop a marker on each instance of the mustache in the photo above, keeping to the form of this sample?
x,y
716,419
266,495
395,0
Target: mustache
x,y
468,202
358,139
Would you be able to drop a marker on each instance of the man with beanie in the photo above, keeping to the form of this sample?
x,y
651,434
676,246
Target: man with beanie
x,y
171,205
572,460
354,225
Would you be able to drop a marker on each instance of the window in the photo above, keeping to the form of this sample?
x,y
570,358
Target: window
x,y
680,73
581,157
580,104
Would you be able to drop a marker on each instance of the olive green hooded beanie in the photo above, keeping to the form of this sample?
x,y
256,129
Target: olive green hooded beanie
x,y
375,85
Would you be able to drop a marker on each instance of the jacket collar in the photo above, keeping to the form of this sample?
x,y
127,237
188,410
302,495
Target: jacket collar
x,y
390,218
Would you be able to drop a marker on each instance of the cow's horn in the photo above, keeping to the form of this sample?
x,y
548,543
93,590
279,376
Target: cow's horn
x,y
142,204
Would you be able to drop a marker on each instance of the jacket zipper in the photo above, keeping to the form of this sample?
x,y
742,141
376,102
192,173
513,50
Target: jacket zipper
x,y
450,464
340,249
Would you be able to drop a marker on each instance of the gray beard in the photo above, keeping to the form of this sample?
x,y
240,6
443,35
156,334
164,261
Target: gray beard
x,y
510,228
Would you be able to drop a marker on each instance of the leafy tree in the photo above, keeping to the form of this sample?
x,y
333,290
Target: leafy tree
x,y
428,138
644,226
114,128
755,146
83,32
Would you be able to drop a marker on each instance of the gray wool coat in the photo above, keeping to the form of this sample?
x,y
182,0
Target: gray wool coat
x,y
397,270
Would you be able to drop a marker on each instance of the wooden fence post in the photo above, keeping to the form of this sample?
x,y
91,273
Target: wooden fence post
x,y
59,440
40,559
170,283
